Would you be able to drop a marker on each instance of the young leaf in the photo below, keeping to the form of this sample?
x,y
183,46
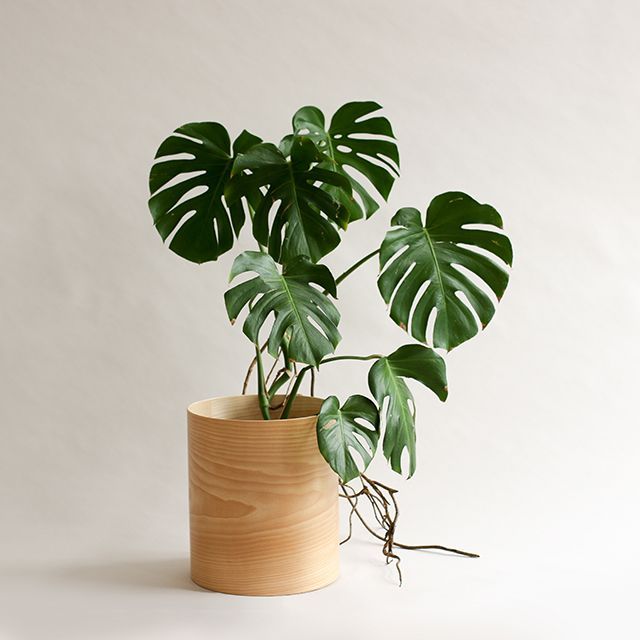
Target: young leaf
x,y
339,432
386,380
306,218
433,253
209,232
373,153
297,306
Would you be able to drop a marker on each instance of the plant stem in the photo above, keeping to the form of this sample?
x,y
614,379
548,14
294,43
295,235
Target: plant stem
x,y
353,267
281,379
267,379
312,384
263,399
294,392
300,377
251,214
373,356
252,365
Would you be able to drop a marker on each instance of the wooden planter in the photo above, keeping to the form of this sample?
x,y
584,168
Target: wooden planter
x,y
263,502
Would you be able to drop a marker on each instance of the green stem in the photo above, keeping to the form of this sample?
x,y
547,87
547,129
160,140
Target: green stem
x,y
294,392
373,356
251,214
284,375
263,399
296,385
263,396
353,267
278,383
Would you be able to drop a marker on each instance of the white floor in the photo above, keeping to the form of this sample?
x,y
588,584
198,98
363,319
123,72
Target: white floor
x,y
122,593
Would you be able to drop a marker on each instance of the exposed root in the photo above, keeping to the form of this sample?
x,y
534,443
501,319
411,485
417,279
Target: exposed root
x,y
384,506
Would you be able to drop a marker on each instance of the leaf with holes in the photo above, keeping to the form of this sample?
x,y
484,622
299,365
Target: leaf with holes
x,y
341,433
386,380
195,205
306,218
301,310
357,139
440,255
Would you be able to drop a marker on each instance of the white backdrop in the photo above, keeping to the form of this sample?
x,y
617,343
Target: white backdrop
x,y
107,336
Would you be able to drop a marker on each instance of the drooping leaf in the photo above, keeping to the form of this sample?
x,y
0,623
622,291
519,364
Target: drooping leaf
x,y
386,380
439,253
356,139
340,434
301,310
195,205
306,218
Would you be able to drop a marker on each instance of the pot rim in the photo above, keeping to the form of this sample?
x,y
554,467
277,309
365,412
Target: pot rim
x,y
191,410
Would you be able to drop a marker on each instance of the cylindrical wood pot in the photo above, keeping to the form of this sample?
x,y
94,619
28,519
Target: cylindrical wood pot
x,y
263,502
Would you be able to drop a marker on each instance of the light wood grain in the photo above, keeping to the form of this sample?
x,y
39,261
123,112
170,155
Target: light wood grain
x,y
263,502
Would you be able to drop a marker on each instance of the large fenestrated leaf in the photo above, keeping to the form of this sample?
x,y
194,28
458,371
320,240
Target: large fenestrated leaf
x,y
386,380
298,308
196,204
439,253
341,433
357,139
306,218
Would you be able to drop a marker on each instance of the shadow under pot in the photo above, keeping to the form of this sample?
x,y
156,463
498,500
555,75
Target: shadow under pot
x,y
263,502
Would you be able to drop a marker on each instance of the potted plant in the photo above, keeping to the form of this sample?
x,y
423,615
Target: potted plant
x,y
266,470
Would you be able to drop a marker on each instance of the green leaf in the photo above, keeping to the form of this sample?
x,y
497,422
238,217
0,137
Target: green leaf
x,y
195,205
306,217
386,380
353,139
340,434
300,310
440,253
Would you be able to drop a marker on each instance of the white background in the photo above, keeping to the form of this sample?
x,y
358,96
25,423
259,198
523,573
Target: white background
x,y
107,336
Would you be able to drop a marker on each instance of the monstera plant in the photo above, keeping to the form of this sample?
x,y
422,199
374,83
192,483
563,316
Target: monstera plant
x,y
441,271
